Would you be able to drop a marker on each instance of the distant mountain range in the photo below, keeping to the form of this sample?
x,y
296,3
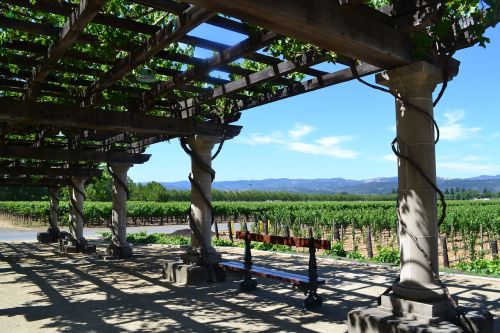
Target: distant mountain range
x,y
338,185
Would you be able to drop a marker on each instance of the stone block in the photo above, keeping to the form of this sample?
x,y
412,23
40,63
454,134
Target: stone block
x,y
378,320
121,252
375,320
46,238
169,268
71,249
480,320
191,274
405,307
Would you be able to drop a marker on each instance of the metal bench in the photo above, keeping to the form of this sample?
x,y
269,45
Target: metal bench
x,y
307,283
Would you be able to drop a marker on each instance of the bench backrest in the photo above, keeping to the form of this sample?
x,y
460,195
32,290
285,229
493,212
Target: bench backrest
x,y
281,240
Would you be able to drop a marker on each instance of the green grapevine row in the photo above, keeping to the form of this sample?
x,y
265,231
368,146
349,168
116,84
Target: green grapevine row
x,y
465,217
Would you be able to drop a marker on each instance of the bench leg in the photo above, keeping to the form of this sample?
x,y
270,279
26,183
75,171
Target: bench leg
x,y
248,284
313,300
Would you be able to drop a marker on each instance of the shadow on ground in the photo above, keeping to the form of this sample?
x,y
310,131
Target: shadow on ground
x,y
44,291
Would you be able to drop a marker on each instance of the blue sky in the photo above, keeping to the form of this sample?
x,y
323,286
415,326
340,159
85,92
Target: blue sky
x,y
346,130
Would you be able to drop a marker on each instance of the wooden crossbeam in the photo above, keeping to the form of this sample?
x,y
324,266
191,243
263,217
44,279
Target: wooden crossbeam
x,y
268,74
326,24
48,171
178,7
138,146
41,182
70,32
174,31
298,88
70,155
13,110
224,57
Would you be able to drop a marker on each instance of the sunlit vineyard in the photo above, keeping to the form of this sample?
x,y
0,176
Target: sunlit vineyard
x,y
469,225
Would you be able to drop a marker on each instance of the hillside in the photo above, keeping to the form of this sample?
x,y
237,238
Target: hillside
x,y
338,185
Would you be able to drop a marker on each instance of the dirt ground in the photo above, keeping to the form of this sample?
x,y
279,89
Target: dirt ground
x,y
43,291
14,225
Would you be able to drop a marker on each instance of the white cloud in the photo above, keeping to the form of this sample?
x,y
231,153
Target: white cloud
x,y
453,130
299,131
469,167
328,146
256,139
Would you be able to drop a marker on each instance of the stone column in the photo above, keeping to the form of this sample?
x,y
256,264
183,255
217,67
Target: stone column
x,y
54,210
119,213
77,199
202,146
52,233
418,205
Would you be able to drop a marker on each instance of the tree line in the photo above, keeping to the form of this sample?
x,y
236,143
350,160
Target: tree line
x,y
99,189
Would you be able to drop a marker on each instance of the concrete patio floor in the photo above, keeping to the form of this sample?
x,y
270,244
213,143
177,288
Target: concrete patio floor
x,y
42,291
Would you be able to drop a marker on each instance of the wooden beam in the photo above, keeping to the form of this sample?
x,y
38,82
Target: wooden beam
x,y
174,31
48,171
326,24
70,32
224,57
265,75
41,29
68,155
324,81
178,7
42,182
12,110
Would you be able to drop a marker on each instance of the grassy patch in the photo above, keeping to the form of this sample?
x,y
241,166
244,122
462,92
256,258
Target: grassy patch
x,y
153,238
387,255
480,266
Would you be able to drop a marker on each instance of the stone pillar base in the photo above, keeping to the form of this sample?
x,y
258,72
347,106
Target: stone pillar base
x,y
119,252
46,238
70,245
401,316
183,273
49,236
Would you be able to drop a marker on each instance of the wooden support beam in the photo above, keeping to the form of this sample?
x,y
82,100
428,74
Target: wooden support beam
x,y
68,155
140,145
70,32
268,74
172,33
48,171
12,110
324,81
326,24
40,29
224,57
41,182
178,7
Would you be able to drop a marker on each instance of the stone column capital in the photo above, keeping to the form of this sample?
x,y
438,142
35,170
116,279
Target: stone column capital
x,y
419,74
78,180
120,167
203,142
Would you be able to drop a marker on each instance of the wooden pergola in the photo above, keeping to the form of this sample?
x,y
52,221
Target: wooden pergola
x,y
39,100
81,99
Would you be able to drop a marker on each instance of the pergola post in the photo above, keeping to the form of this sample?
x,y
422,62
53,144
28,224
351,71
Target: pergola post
x,y
52,233
119,194
417,199
196,266
76,206
418,297
54,210
201,191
